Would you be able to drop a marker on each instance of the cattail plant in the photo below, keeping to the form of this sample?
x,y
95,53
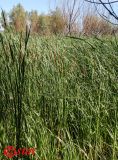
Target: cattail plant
x,y
15,54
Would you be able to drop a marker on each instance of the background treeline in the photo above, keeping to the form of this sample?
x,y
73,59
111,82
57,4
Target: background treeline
x,y
58,22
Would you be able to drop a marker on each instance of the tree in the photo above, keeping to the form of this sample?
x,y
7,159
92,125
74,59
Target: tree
x,y
57,22
44,24
107,6
34,19
71,10
18,17
94,25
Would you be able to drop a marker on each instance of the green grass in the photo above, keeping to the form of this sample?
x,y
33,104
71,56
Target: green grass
x,y
59,95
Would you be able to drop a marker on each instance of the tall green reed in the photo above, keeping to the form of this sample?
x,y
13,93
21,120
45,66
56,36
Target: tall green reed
x,y
13,79
65,92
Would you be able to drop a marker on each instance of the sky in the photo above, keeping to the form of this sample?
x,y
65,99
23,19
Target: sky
x,y
42,6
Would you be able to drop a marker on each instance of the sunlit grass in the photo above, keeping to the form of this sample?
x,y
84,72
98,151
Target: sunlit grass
x,y
65,93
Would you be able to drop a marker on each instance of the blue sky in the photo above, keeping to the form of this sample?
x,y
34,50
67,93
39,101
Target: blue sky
x,y
42,6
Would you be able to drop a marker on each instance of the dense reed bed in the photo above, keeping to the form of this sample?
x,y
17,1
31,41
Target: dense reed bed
x,y
59,95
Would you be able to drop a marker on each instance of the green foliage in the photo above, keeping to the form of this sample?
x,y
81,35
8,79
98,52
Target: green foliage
x,y
34,19
57,22
18,17
44,24
65,93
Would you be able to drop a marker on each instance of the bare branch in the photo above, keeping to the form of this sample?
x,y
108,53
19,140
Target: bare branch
x,y
100,2
105,5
